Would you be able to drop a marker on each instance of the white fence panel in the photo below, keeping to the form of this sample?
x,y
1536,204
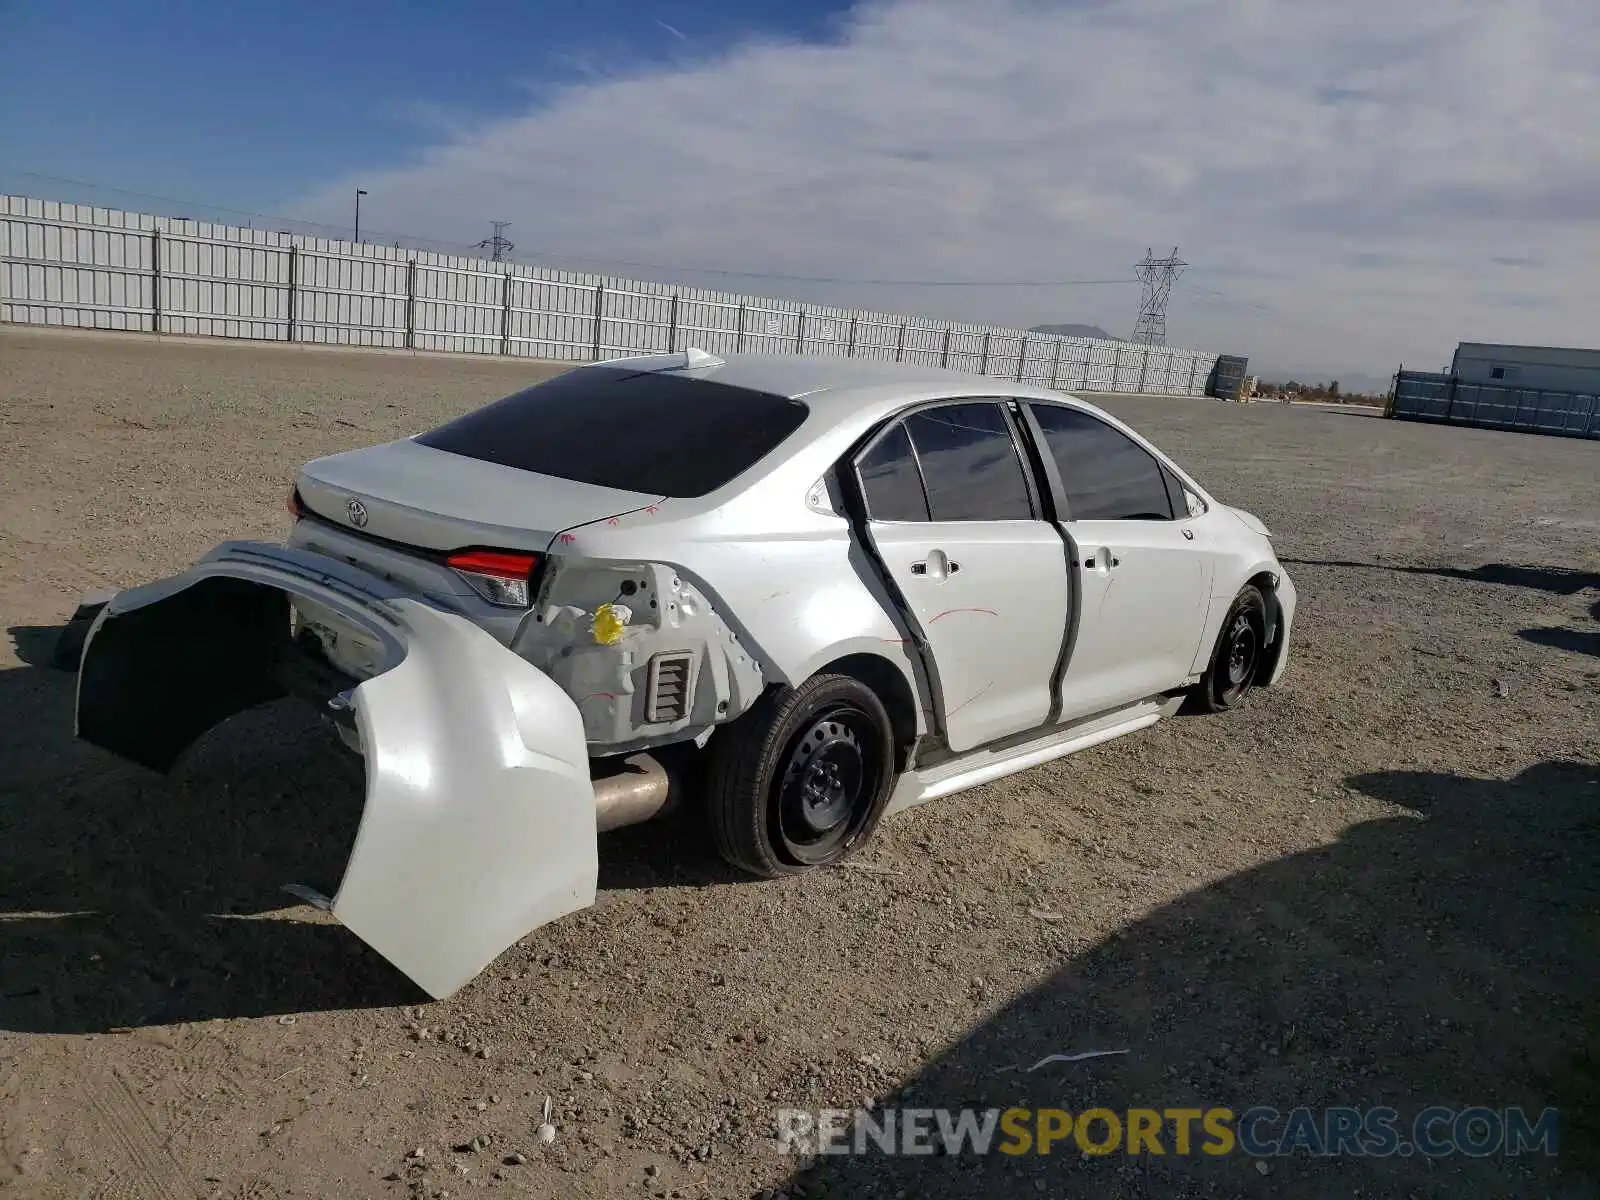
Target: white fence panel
x,y
635,319
455,308
75,265
926,344
553,318
350,301
212,289
878,337
52,273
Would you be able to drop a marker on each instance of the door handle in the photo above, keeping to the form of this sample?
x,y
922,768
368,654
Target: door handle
x,y
937,565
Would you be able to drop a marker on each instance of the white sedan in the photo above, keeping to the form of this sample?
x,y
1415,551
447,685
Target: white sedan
x,y
855,586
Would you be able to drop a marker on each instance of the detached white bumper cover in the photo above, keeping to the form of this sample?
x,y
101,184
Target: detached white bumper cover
x,y
479,824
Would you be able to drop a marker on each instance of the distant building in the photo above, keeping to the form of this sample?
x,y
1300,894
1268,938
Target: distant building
x,y
1546,368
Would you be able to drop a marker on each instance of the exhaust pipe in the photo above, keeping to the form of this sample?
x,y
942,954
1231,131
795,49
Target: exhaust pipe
x,y
633,791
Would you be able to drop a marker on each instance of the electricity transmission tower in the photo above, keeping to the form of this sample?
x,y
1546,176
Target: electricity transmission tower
x,y
1157,275
497,244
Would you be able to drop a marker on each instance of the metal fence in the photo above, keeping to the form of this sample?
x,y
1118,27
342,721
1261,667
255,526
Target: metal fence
x,y
66,264
1441,397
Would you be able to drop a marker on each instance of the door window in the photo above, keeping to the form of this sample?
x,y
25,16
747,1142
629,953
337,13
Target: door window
x,y
970,466
1106,475
890,479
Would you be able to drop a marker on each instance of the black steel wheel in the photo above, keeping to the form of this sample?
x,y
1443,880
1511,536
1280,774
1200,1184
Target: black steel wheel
x,y
1241,649
800,780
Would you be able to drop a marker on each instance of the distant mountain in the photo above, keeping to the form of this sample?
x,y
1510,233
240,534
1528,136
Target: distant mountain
x,y
1083,331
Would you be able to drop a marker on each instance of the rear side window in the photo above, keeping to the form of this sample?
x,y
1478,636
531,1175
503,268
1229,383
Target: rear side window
x,y
890,479
667,435
1106,475
969,463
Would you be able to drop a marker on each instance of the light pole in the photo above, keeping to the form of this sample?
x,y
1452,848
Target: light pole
x,y
360,192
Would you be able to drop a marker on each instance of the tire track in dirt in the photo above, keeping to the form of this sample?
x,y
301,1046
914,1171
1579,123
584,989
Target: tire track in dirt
x,y
147,1169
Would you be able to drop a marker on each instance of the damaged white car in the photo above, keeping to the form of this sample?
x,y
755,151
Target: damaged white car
x,y
855,585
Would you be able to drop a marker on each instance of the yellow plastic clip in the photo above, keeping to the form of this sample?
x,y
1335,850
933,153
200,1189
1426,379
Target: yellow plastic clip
x,y
609,622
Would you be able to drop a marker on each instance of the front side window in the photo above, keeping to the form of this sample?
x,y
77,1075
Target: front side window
x,y
970,466
1106,475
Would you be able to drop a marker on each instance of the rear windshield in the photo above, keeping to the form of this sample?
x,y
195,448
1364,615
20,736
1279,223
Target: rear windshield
x,y
668,435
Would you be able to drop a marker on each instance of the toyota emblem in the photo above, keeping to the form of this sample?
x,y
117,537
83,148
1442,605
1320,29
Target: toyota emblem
x,y
357,512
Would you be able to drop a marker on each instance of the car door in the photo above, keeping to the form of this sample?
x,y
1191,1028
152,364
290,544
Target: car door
x,y
1144,573
952,513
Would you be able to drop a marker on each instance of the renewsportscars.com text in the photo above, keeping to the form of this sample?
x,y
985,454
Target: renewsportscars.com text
x,y
1260,1131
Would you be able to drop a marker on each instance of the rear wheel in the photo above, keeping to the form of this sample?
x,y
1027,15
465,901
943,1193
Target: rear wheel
x,y
800,780
1241,648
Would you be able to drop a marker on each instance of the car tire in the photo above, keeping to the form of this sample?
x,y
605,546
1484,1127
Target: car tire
x,y
801,780
1236,660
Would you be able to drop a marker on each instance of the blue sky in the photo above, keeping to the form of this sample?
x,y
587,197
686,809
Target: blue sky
x,y
1357,184
249,105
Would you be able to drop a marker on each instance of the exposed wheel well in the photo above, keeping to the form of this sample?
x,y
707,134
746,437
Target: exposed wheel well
x,y
885,679
1266,582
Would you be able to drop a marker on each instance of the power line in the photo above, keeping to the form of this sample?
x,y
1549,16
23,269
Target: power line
x,y
337,231
1232,299
106,187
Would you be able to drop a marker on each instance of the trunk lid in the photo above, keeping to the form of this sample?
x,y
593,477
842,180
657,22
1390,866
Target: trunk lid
x,y
407,493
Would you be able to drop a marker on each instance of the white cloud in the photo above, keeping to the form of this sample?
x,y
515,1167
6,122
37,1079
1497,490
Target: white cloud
x,y
1381,177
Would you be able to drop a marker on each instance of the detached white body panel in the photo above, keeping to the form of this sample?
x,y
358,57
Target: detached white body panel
x,y
479,823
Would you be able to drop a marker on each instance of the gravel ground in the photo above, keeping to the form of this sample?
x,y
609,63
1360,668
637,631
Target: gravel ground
x,y
1376,884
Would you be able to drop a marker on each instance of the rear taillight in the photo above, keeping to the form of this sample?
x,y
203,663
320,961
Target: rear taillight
x,y
499,576
297,508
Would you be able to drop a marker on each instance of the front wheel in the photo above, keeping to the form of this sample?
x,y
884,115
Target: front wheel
x,y
1237,659
800,780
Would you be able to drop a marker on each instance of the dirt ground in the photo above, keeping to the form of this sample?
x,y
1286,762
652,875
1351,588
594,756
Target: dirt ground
x,y
1375,885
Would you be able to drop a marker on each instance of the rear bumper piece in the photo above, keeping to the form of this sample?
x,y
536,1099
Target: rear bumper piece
x,y
479,823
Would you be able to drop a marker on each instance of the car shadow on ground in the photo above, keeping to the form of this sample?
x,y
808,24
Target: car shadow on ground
x,y
1559,581
1556,581
1574,641
35,645
1447,955
129,898
674,850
